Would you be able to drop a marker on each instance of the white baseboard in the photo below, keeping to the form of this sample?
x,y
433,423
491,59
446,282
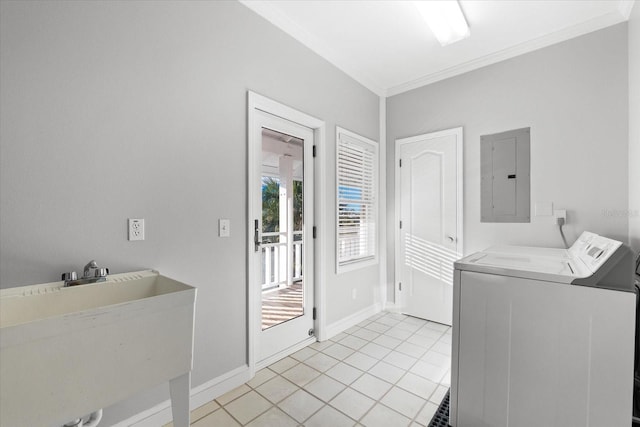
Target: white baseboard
x,y
349,321
204,393
284,353
392,307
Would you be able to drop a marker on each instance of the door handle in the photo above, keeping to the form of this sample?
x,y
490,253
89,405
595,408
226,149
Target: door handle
x,y
451,239
257,240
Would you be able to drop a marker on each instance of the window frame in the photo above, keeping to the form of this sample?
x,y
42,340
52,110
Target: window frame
x,y
344,136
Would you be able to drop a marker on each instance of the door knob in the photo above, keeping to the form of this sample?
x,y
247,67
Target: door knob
x,y
451,239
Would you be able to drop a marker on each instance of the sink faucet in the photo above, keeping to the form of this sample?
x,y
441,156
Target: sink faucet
x,y
92,274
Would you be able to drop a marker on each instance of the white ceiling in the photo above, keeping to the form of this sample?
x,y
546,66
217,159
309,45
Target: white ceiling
x,y
276,145
388,48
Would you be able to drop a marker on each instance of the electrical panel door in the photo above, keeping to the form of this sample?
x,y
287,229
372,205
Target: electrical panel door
x,y
505,169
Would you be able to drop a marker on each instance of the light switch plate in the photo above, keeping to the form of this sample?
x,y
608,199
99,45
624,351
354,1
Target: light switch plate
x,y
224,227
544,208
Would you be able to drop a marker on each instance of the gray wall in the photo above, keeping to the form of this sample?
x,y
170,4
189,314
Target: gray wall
x,y
573,95
634,128
113,110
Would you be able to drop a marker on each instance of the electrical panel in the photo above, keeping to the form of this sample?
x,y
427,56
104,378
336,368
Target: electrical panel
x,y
506,175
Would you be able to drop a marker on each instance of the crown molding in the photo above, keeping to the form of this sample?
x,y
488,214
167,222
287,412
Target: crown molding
x,y
349,67
568,33
289,26
625,7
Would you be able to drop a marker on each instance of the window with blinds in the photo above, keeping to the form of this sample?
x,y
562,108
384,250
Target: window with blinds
x,y
356,177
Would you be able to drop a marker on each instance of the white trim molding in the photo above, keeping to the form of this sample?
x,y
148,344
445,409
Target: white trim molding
x,y
284,353
362,75
625,7
459,133
382,200
367,147
345,323
255,104
160,414
594,24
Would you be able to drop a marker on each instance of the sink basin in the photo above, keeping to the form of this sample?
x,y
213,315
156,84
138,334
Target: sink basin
x,y
66,352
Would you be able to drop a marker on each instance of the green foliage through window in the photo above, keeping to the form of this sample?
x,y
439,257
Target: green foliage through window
x,y
271,205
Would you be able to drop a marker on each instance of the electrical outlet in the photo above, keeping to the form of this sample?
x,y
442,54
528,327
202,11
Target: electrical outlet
x,y
560,213
136,229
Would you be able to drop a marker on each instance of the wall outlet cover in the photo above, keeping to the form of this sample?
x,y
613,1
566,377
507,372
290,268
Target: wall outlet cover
x,y
136,229
560,213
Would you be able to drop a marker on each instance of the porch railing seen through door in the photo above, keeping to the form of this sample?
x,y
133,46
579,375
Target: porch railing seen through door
x,y
274,259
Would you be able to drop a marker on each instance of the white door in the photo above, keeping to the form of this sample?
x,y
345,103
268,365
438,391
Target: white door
x,y
429,228
281,253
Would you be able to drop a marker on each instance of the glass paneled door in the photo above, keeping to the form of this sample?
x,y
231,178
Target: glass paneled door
x,y
282,227
282,249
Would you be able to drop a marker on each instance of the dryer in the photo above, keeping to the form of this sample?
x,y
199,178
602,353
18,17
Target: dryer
x,y
544,337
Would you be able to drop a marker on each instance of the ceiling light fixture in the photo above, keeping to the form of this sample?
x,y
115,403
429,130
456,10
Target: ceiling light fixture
x,y
445,19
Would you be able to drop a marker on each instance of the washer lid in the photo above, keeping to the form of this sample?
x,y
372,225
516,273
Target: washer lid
x,y
525,263
518,261
593,260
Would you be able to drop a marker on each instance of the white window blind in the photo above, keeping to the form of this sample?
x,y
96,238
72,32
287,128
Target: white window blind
x,y
357,164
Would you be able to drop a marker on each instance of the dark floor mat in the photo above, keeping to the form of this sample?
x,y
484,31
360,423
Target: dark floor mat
x,y
441,417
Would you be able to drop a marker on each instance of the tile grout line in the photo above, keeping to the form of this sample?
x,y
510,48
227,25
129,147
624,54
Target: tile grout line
x,y
400,328
407,371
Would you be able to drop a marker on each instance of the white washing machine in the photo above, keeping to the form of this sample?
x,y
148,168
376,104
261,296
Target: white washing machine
x,y
544,337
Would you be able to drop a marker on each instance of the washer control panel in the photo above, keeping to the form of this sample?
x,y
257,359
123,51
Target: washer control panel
x,y
593,250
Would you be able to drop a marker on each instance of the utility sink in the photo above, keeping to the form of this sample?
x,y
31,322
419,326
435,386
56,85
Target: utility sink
x,y
68,351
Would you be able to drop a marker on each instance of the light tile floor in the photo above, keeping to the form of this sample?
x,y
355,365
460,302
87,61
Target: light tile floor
x,y
390,370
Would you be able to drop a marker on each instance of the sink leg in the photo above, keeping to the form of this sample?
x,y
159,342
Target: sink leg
x,y
179,389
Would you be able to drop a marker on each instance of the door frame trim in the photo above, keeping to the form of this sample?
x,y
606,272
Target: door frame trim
x,y
458,132
255,103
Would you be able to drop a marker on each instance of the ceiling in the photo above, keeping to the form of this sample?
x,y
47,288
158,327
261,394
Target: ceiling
x,y
276,145
388,48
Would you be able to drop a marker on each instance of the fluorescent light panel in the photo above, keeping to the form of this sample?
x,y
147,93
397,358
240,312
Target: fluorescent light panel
x,y
445,19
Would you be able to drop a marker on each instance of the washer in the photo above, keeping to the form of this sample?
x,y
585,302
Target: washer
x,y
544,337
